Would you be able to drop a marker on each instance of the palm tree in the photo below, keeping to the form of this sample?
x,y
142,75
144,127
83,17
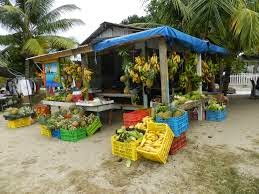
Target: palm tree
x,y
33,27
245,24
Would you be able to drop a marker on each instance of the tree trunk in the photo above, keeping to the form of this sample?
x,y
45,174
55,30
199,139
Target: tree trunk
x,y
211,85
27,69
226,79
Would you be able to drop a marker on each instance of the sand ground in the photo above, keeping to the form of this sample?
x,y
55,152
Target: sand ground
x,y
219,158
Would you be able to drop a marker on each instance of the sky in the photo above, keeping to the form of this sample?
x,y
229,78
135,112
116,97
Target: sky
x,y
94,12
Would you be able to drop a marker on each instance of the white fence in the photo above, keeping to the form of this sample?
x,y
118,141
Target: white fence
x,y
243,79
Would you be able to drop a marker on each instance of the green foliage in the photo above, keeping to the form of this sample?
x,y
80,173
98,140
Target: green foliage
x,y
135,19
232,24
34,26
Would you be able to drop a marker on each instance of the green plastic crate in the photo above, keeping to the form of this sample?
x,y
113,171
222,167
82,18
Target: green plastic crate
x,y
73,135
91,129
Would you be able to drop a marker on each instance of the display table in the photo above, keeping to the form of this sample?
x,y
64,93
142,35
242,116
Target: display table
x,y
98,108
114,95
193,104
58,104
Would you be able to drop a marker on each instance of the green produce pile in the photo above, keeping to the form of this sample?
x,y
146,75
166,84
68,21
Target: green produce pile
x,y
76,122
195,95
165,112
129,134
68,120
60,97
17,113
213,105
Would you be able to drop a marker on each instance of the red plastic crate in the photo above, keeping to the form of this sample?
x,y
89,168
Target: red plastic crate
x,y
134,117
178,144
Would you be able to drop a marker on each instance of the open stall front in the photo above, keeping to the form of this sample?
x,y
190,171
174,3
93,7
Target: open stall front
x,y
165,37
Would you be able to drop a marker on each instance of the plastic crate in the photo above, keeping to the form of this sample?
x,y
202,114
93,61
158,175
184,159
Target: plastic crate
x,y
91,129
56,133
72,135
178,124
22,122
125,150
134,117
44,131
162,154
216,115
178,144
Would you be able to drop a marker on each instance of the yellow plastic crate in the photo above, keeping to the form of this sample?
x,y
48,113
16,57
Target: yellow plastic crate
x,y
162,154
125,150
12,124
44,131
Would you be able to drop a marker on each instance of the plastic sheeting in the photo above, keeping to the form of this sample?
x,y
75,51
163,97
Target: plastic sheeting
x,y
170,34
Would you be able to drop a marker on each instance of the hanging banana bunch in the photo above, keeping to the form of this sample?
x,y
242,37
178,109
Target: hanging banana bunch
x,y
209,69
189,80
173,64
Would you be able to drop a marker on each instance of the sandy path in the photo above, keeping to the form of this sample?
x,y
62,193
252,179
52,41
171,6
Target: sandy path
x,y
33,164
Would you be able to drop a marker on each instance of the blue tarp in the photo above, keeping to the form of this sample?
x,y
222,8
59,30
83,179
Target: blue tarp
x,y
170,34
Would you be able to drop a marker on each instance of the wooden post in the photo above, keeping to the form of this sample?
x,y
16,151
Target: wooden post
x,y
199,72
84,60
145,97
164,71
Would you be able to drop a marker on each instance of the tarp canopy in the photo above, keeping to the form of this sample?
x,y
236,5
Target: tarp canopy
x,y
170,34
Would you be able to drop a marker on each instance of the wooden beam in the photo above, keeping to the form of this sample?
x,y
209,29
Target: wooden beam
x,y
164,71
65,53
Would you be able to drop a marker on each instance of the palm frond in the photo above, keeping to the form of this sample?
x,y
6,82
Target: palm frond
x,y
173,9
60,25
35,9
33,47
57,13
11,17
58,42
209,12
245,26
10,39
4,62
5,2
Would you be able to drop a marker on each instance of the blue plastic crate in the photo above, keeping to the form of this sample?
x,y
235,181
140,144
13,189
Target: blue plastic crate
x,y
56,133
178,124
216,115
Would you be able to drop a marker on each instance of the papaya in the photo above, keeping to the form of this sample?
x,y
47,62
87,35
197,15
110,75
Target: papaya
x,y
126,90
123,78
69,98
149,83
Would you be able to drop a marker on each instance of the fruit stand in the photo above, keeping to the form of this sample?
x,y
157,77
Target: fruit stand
x,y
144,135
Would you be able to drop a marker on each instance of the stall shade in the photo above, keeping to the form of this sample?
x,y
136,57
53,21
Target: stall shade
x,y
170,34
